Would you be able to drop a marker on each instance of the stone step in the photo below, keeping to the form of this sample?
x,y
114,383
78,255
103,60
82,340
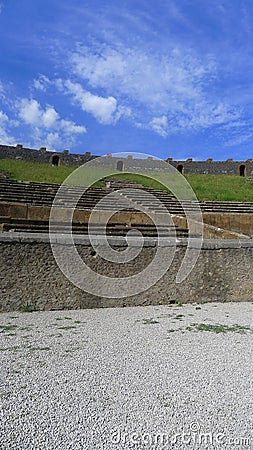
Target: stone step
x,y
119,229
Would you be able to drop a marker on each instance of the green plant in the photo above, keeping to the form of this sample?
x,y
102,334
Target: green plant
x,y
27,308
218,328
221,187
37,348
149,321
4,328
179,316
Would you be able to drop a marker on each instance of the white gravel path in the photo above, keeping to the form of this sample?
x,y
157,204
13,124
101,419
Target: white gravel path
x,y
127,378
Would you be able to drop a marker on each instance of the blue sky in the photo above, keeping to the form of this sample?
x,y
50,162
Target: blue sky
x,y
169,78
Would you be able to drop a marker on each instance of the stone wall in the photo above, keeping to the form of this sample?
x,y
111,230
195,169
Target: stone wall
x,y
65,158
43,156
216,167
29,274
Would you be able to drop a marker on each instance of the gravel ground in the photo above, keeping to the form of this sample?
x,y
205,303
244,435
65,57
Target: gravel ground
x,y
157,377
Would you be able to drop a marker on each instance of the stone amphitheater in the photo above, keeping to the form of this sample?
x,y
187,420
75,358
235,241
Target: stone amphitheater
x,y
31,278
78,374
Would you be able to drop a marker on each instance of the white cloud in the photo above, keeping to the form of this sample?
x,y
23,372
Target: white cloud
x,y
160,125
239,139
3,96
30,111
105,110
47,124
69,127
154,80
5,138
167,92
52,140
50,117
41,83
101,108
3,118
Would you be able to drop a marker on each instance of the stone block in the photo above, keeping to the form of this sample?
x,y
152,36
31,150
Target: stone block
x,y
18,211
38,212
4,209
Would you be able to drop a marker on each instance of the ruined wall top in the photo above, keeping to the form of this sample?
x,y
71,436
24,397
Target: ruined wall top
x,y
230,167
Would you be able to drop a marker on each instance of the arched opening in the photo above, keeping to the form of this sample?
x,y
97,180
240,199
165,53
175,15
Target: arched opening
x,y
242,170
55,160
180,168
120,166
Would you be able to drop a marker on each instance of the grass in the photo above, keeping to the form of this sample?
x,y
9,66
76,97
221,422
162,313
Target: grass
x,y
145,181
27,308
30,171
218,328
179,316
33,349
221,187
149,321
206,187
4,328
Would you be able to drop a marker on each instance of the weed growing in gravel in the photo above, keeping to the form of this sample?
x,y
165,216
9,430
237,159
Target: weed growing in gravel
x,y
4,328
179,316
70,350
218,328
9,348
149,321
27,308
37,348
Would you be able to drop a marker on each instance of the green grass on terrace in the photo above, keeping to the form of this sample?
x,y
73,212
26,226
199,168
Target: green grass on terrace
x,y
31,171
145,181
221,187
206,187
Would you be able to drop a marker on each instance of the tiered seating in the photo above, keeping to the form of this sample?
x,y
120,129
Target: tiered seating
x,y
38,194
41,194
114,229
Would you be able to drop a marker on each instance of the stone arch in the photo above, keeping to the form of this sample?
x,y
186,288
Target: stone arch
x,y
120,166
242,170
55,160
180,168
